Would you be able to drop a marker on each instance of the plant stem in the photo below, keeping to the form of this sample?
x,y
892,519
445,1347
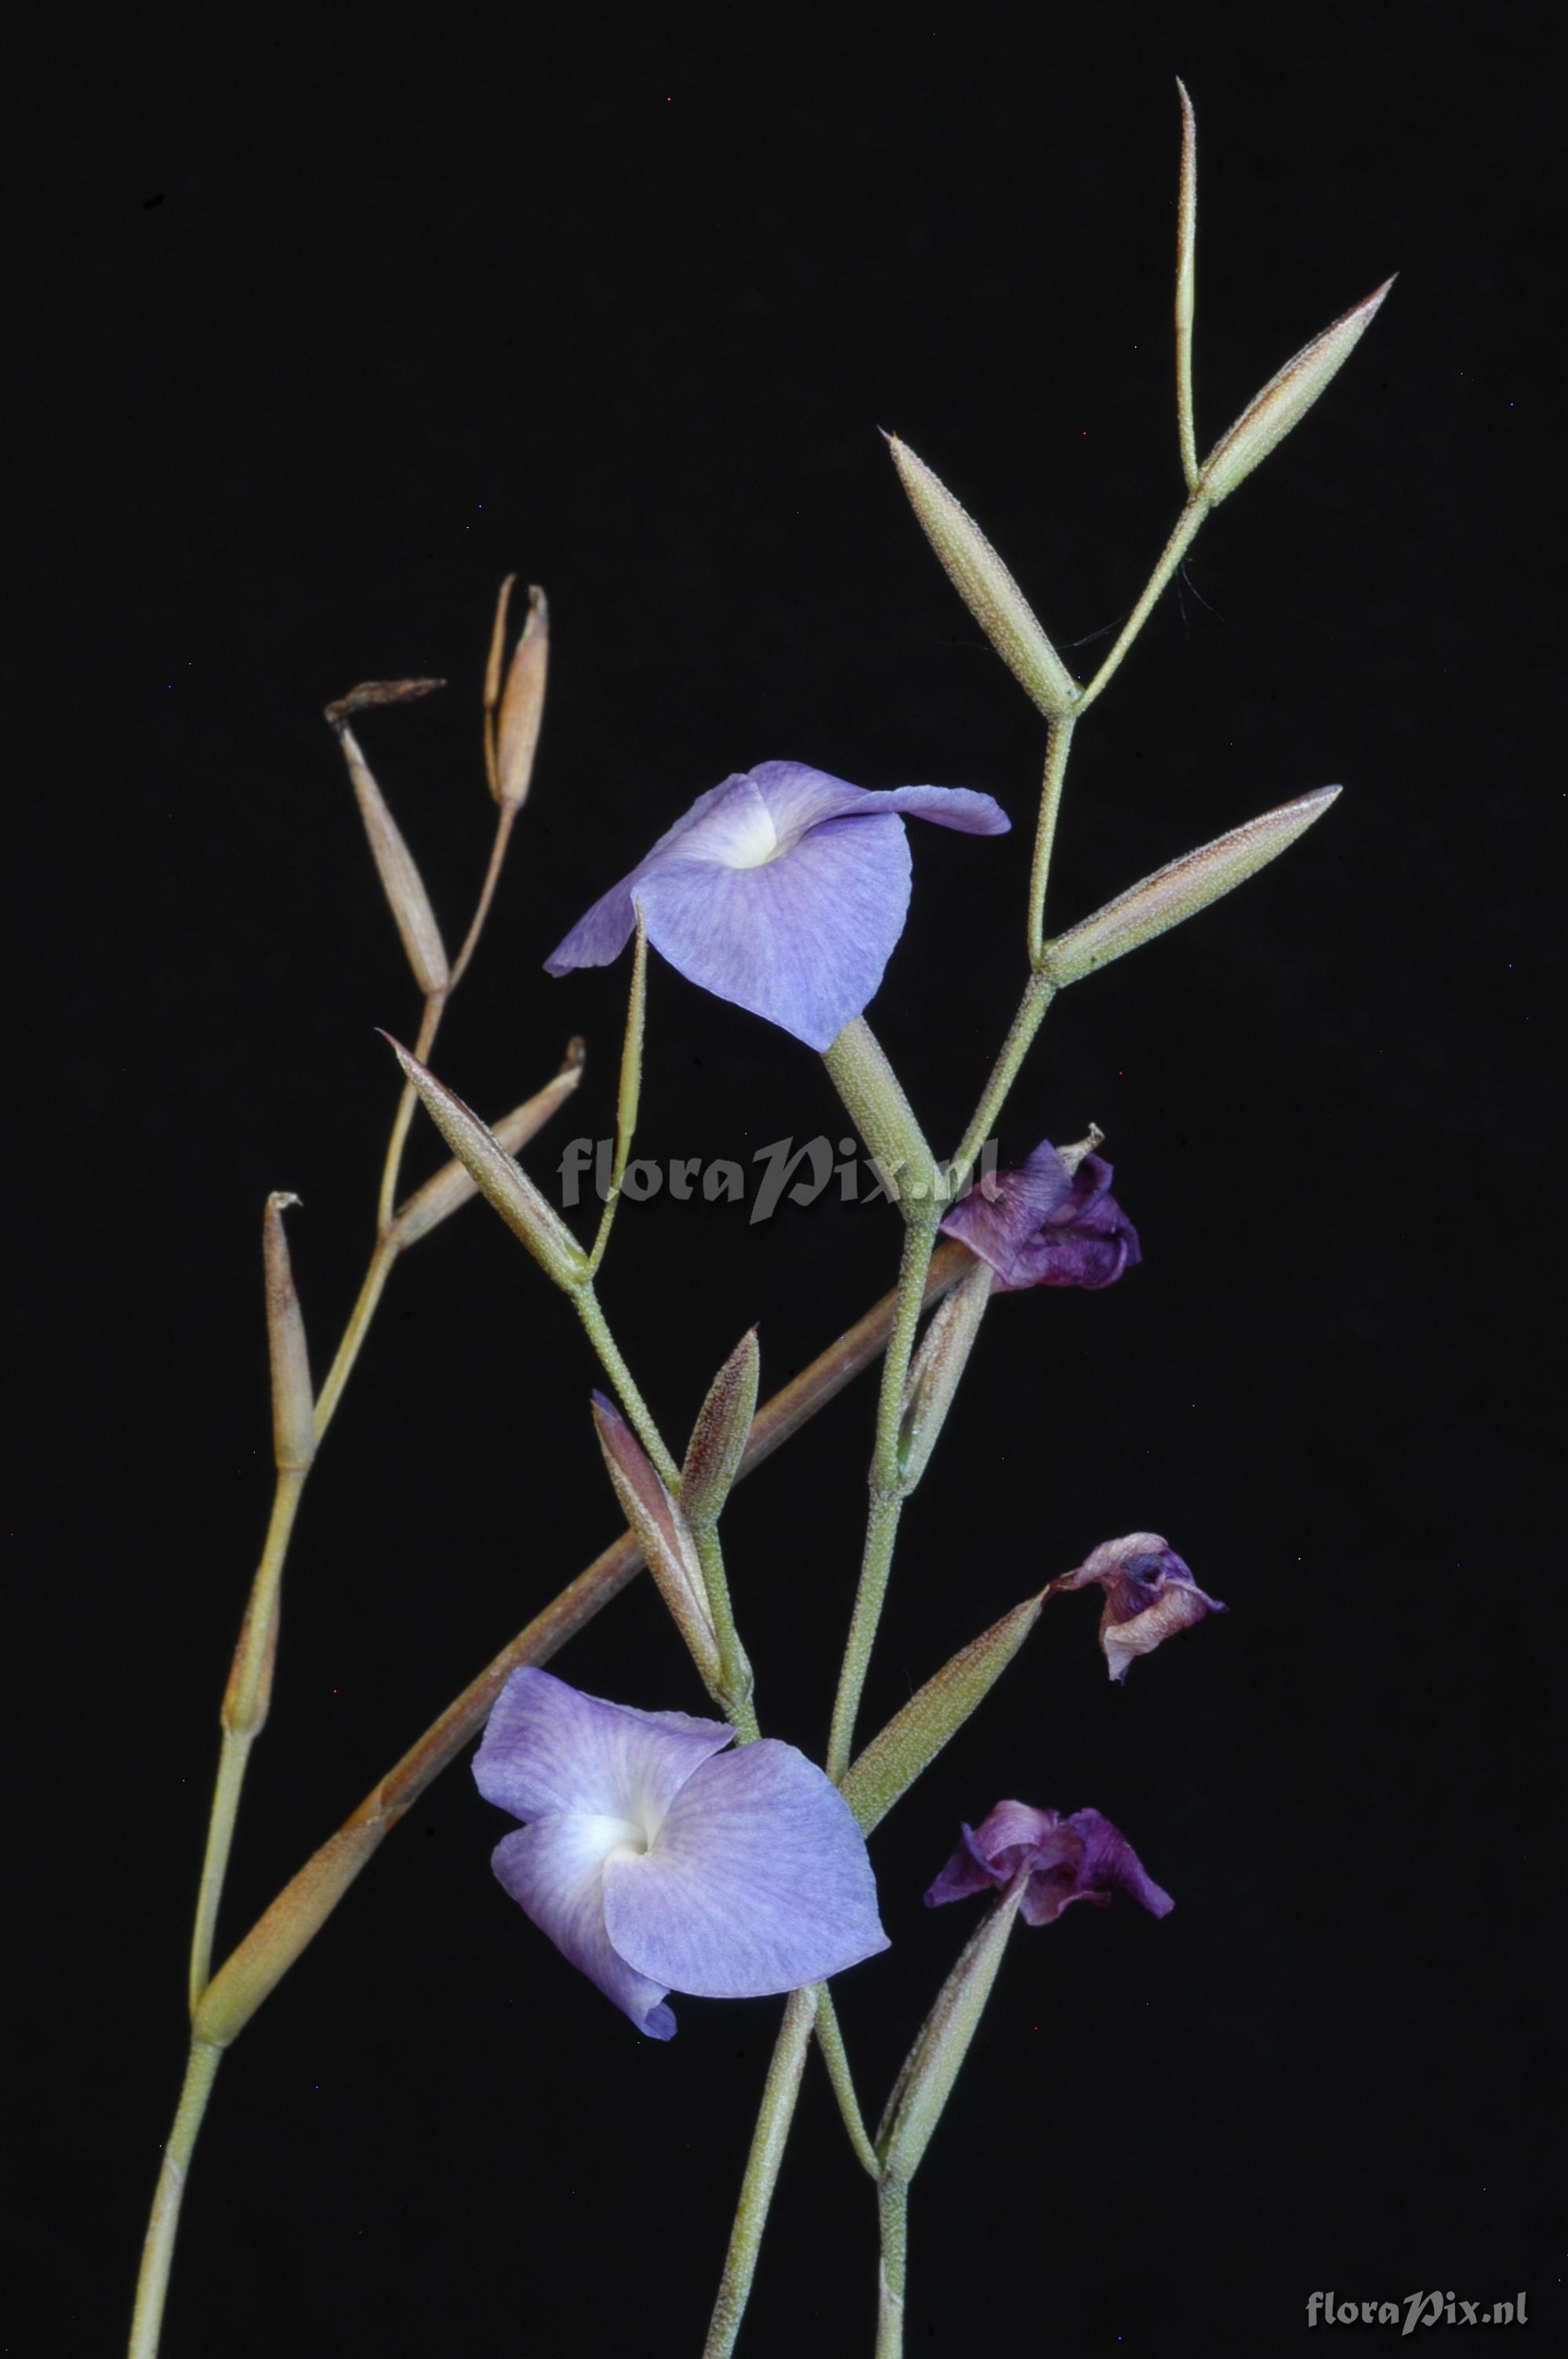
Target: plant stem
x,y
886,1486
830,2039
157,2254
592,1316
779,2094
892,2214
1175,549
1058,744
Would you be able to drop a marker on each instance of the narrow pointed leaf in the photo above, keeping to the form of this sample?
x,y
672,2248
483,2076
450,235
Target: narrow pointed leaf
x,y
453,1186
1285,399
936,1367
914,1736
500,1180
719,1435
522,705
661,1532
400,879
934,2063
293,1400
985,585
1180,889
1186,252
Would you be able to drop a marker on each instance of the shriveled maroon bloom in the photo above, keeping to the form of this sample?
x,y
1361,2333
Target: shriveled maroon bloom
x,y
1080,1858
1150,1594
1045,1223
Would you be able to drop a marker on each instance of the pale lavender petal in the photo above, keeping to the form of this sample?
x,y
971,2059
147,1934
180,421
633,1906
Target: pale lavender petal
x,y
759,1882
555,1871
802,939
600,937
549,1748
801,797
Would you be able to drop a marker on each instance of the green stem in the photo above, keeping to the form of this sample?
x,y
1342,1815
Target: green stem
x,y
735,1675
892,2214
1058,745
157,2252
830,2039
887,1491
874,1100
1175,549
620,1377
1030,1015
779,2094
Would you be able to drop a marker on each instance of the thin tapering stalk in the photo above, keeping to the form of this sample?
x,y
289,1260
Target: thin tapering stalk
x,y
1186,248
590,1312
830,2039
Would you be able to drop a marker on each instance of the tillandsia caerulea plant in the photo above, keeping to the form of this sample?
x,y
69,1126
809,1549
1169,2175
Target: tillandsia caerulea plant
x,y
661,1852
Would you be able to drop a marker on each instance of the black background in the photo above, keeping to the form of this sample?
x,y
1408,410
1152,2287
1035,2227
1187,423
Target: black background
x,y
325,326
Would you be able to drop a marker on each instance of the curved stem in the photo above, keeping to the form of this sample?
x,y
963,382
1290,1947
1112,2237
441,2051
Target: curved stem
x,y
589,1311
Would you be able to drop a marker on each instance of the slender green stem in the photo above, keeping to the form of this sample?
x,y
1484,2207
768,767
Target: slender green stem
x,y
736,1681
887,1490
354,1333
779,2093
1026,1023
893,2214
1057,748
592,1316
830,2039
1175,549
158,2253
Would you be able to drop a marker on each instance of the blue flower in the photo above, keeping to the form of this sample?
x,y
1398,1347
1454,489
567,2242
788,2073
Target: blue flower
x,y
656,1860
784,891
1047,1223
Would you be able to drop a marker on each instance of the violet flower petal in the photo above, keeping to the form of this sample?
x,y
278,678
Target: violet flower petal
x,y
1150,1594
1080,1858
1041,1225
758,1882
555,1871
548,1747
783,890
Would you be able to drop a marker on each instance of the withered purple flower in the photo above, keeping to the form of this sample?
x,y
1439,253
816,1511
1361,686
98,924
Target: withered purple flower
x,y
655,1860
783,890
1150,1594
1080,1858
1046,1223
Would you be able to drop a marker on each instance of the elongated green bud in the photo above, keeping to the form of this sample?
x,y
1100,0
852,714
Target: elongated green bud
x,y
914,1736
501,1181
719,1435
936,1367
1285,400
925,2084
661,1532
1180,890
453,1186
985,585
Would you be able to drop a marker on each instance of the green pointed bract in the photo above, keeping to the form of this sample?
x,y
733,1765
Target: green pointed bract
x,y
1180,890
925,2084
1285,400
500,1180
985,585
719,1435
914,1736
